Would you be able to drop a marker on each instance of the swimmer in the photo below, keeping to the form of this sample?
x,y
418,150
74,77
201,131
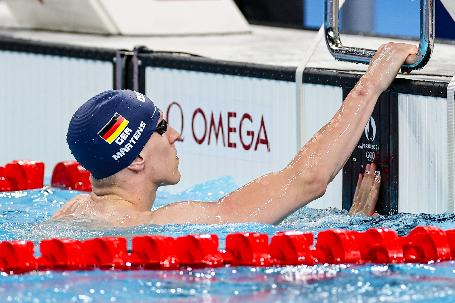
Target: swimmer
x,y
129,149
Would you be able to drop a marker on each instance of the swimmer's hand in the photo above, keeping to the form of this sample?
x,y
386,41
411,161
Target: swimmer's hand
x,y
366,192
387,62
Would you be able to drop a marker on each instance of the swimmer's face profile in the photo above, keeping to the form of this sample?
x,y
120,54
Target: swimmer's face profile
x,y
160,155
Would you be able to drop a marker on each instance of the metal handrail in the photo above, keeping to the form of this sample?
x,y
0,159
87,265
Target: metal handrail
x,y
362,55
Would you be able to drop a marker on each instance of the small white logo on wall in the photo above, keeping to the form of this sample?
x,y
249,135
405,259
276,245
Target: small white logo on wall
x,y
370,155
370,129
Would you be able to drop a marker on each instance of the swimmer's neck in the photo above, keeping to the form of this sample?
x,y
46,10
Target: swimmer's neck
x,y
133,196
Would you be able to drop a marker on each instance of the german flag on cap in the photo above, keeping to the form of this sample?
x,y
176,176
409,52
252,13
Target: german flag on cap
x,y
113,128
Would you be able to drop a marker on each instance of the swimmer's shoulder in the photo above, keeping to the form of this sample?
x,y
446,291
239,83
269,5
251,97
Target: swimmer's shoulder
x,y
70,207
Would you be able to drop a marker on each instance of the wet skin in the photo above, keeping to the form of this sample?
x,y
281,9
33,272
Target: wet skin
x,y
268,199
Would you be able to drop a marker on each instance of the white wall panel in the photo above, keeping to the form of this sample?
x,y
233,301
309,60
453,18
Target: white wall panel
x,y
272,101
320,104
423,161
38,95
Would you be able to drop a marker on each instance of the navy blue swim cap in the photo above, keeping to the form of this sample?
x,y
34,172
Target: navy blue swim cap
x,y
109,131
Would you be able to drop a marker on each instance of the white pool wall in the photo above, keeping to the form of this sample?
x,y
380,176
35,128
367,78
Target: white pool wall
x,y
39,94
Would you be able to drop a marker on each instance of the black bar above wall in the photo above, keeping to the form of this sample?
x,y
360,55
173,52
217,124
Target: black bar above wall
x,y
56,49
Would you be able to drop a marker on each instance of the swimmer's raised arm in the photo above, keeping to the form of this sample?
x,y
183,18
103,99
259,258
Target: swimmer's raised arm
x,y
120,136
272,197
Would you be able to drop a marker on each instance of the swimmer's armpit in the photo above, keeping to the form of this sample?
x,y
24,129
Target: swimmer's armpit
x,y
366,192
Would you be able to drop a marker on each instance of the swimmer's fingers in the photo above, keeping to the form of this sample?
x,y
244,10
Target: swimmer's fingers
x,y
367,183
410,51
362,190
407,51
356,205
357,187
411,59
367,191
388,59
390,56
370,204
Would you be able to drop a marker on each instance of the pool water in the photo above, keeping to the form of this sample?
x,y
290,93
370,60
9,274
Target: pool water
x,y
23,215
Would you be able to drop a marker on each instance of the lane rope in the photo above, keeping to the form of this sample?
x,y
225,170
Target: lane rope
x,y
290,248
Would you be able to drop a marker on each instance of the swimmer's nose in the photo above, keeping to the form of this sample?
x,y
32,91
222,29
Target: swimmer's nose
x,y
172,134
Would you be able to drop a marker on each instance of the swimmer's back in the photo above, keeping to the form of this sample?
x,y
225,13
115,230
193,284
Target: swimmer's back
x,y
73,207
106,213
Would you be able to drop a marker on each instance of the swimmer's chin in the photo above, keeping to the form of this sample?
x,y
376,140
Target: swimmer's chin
x,y
172,181
175,181
177,176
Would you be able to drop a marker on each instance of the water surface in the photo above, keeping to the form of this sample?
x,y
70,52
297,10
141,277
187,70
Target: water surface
x,y
24,215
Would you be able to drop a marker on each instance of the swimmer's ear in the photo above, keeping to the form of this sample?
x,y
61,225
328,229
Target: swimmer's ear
x,y
138,164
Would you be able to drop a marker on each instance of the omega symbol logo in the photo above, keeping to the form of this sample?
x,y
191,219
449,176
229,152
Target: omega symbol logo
x,y
370,129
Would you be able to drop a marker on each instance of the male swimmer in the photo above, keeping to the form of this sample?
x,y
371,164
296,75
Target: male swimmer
x,y
122,139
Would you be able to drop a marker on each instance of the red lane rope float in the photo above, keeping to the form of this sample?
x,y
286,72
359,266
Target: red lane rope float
x,y
381,246
198,251
451,239
63,254
5,183
107,252
426,243
292,248
71,175
248,249
25,175
338,246
69,254
17,256
154,252
21,175
377,246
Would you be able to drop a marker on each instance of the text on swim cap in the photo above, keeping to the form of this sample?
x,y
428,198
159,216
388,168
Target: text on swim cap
x,y
140,96
125,149
123,136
